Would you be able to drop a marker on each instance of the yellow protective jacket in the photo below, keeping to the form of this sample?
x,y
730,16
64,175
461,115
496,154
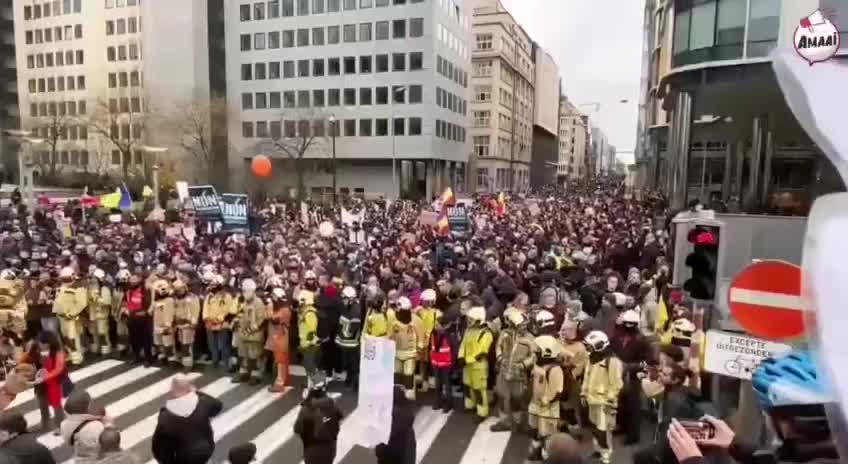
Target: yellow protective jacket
x,y
217,308
429,317
406,338
547,387
603,381
515,354
251,320
70,301
576,357
475,346
99,302
12,297
377,324
307,327
186,310
163,315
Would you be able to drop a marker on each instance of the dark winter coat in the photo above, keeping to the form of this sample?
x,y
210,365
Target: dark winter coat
x,y
27,450
184,432
313,412
401,446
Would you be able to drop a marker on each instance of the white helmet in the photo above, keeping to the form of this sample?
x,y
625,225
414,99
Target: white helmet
x,y
66,273
428,295
309,275
248,285
549,347
219,279
8,274
477,314
275,281
682,328
278,293
629,317
123,275
404,303
98,274
596,341
545,320
349,292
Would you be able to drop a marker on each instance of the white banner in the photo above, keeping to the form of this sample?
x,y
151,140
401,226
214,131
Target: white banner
x,y
349,218
376,390
736,355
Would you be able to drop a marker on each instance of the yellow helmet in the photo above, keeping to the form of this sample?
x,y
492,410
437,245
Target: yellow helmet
x,y
516,317
682,328
179,285
306,298
161,287
549,347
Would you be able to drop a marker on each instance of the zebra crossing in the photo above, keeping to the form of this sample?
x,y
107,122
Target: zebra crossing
x,y
134,395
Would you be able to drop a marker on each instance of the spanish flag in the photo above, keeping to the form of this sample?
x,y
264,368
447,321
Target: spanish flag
x,y
448,198
501,205
443,225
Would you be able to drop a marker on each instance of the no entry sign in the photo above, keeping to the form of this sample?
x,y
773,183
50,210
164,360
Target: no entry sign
x,y
765,298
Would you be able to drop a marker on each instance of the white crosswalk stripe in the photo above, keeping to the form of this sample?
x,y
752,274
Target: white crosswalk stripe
x,y
267,419
76,376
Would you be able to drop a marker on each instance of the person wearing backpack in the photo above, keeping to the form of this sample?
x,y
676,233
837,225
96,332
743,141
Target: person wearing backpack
x,y
318,423
183,432
547,384
81,429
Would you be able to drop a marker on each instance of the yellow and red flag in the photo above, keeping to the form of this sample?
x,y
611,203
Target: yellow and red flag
x,y
443,225
448,198
501,205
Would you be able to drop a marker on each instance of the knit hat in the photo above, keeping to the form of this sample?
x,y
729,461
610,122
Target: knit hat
x,y
242,454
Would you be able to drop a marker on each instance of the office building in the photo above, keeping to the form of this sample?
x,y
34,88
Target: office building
x,y
573,142
9,118
716,126
544,159
368,95
503,86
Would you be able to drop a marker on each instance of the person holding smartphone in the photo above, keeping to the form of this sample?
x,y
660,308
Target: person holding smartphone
x,y
794,397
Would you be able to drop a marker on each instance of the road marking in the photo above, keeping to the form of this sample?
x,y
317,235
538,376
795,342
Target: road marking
x,y
486,447
76,376
429,430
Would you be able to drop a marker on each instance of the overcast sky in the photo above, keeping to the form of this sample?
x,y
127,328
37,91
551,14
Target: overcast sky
x,y
599,55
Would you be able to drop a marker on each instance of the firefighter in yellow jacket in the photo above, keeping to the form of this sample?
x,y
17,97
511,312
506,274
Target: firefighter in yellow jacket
x,y
515,352
71,301
602,383
574,358
219,309
376,320
406,332
429,315
186,316
251,330
474,354
13,311
307,326
122,331
99,308
163,312
547,384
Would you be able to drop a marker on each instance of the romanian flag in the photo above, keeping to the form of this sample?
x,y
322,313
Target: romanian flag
x,y
442,225
501,205
448,198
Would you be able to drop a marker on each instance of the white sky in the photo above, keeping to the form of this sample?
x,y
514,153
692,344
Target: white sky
x,y
598,47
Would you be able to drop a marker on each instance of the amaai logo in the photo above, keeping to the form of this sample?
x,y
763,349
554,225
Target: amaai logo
x,y
816,38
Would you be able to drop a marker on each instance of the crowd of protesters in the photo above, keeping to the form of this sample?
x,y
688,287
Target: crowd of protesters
x,y
554,307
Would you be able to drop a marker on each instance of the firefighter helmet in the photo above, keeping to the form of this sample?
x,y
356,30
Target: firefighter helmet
x,y
349,292
306,298
123,275
682,328
630,319
8,274
161,287
179,285
516,318
66,273
596,341
544,320
98,274
248,285
549,347
404,304
477,314
428,295
310,275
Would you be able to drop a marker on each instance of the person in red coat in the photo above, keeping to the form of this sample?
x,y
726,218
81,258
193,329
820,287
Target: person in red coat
x,y
51,374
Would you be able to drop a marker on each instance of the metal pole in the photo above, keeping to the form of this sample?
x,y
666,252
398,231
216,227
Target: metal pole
x,y
156,186
395,193
334,162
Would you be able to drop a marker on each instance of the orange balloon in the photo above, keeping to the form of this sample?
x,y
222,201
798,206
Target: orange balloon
x,y
261,166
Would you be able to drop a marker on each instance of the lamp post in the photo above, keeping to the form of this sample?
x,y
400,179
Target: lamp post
x,y
334,124
395,191
155,151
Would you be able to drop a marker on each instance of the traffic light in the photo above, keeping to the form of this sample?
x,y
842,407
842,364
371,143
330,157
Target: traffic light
x,y
703,262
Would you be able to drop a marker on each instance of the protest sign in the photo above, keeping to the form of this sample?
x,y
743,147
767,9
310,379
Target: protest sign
x,y
376,390
428,218
205,201
458,219
234,211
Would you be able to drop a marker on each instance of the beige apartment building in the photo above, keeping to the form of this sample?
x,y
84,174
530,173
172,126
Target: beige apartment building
x,y
502,101
573,142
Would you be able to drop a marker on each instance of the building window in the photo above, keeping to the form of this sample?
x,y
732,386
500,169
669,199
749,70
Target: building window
x,y
259,11
274,100
78,31
365,64
246,72
763,27
245,42
399,126
303,68
415,94
132,25
483,93
274,39
381,126
334,97
365,96
382,95
483,68
110,27
80,57
333,35
318,98
350,127
122,53
317,36
259,41
481,118
133,53
288,8
276,130
289,99
416,27
261,100
349,97
113,80
260,71
134,79
288,39
302,7
481,145
366,3
365,127
399,92
247,130
382,63
350,65
247,101
317,6
349,5
484,41
333,6
274,70
416,61
334,67
318,67
121,26
303,37
399,62
399,29
110,53
349,33
274,9
382,30
365,32
414,126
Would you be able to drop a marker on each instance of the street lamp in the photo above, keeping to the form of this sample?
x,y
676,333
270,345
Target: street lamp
x,y
155,151
334,124
401,89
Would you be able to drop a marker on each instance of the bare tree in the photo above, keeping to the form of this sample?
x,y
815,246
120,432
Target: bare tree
x,y
123,128
297,133
53,127
194,123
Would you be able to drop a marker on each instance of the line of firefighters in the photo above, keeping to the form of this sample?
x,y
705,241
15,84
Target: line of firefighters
x,y
542,372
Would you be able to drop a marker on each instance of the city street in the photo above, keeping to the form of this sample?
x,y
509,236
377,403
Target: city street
x,y
133,396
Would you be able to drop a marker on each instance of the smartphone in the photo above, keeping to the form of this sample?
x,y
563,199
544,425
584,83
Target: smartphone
x,y
699,430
